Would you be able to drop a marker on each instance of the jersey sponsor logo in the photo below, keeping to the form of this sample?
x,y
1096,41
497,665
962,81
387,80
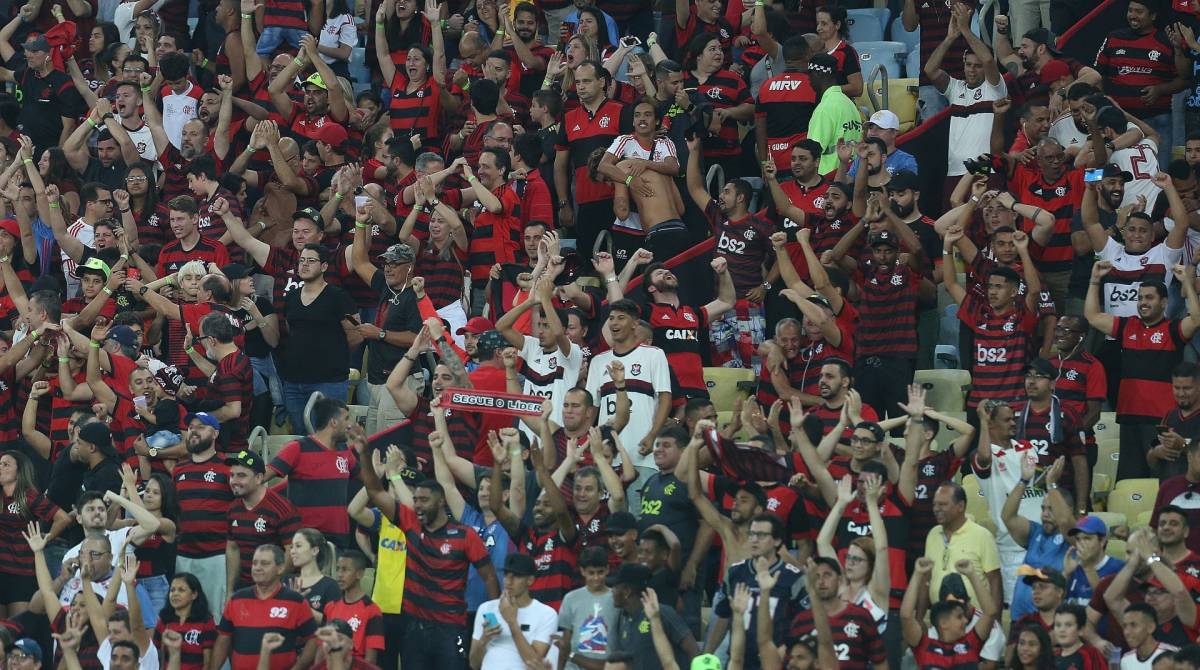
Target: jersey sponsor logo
x,y
791,85
1133,69
680,334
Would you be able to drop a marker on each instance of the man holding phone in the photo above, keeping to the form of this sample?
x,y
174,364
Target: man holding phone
x,y
513,630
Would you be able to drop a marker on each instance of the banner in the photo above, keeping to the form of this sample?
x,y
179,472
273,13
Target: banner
x,y
491,402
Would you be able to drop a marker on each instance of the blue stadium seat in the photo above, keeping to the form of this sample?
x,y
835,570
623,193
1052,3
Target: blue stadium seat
x,y
912,66
881,15
863,26
899,34
887,54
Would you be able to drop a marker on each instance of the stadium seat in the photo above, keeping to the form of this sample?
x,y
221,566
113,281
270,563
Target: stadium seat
x,y
1142,520
367,583
724,386
977,505
899,34
947,435
1116,549
901,97
887,54
1105,472
880,14
723,419
1113,520
1106,426
863,25
946,390
257,438
352,380
331,551
945,357
274,443
912,64
1131,497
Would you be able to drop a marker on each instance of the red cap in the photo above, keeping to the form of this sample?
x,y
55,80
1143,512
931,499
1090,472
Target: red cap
x,y
332,134
1054,70
476,326
10,226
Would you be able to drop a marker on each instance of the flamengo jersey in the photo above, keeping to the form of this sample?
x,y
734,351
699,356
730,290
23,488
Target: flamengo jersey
x,y
1001,349
970,121
745,244
677,333
1129,62
646,375
628,146
582,133
1141,161
786,103
550,374
1148,354
1000,478
1129,271
1061,199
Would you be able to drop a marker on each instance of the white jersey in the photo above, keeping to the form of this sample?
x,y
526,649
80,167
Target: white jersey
x,y
1130,660
178,109
1141,161
628,146
1191,244
1066,132
970,121
143,140
1000,478
1121,284
538,623
549,374
148,661
647,374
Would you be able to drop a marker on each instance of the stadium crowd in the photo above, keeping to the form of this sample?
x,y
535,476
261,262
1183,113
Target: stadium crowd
x,y
596,335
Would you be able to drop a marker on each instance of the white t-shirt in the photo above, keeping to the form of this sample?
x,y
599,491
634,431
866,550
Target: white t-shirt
x,y
550,374
1066,132
148,661
627,146
999,479
143,140
647,374
1141,161
86,234
1129,271
178,109
971,122
115,537
1190,245
1130,661
538,623
337,31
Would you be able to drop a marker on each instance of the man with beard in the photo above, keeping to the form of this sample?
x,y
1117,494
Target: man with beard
x,y
1037,48
113,148
1172,531
204,494
321,105
1104,206
529,55
1181,423
285,175
885,126
439,553
188,244
1140,160
551,539
317,470
148,140
1071,130
258,515
1081,384
175,162
1053,430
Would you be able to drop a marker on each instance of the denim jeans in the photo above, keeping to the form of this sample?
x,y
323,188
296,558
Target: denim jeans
x,y
296,395
273,37
1162,124
267,379
155,588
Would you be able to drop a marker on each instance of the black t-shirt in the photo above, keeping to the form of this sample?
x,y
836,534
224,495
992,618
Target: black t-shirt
x,y
632,643
1081,269
665,500
397,313
256,345
316,350
112,176
45,101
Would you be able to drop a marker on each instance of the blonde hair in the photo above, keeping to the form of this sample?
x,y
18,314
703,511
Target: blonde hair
x,y
191,269
589,45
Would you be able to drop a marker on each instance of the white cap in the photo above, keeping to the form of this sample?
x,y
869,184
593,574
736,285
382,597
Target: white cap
x,y
885,119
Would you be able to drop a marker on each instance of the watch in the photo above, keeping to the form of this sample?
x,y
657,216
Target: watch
x,y
1152,559
153,452
143,289
766,285
382,335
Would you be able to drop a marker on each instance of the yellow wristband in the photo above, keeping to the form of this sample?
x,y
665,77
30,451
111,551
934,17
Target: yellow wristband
x,y
27,161
298,61
190,350
33,335
472,179
54,205
629,180
339,196
247,16
63,359
107,290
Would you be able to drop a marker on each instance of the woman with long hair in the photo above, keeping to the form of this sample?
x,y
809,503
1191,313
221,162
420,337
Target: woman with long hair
x,y
310,553
156,553
1034,650
54,169
374,153
833,27
338,36
731,104
591,24
151,215
187,613
23,504
146,30
418,83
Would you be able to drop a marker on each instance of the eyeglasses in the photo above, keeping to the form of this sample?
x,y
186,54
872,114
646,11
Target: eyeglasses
x,y
309,261
854,559
18,657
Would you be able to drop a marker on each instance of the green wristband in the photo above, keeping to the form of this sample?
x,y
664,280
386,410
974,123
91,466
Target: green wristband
x,y
189,351
63,359
94,344
629,180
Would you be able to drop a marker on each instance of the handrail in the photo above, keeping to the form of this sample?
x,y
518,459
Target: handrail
x,y
879,69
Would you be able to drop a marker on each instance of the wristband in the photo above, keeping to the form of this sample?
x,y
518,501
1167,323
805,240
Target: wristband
x,y
499,33
90,122
465,87
298,61
106,290
125,211
34,334
262,224
203,63
360,226
3,259
189,351
262,324
27,161
442,24
125,257
546,83
1023,481
145,89
63,359
339,196
247,16
651,41
629,180
94,344
54,205
472,179
378,26
171,279
395,477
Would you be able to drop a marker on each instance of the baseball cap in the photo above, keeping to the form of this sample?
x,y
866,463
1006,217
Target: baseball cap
x,y
476,326
619,523
883,119
709,661
343,627
97,434
489,343
247,459
333,134
1054,70
521,565
884,237
398,253
311,214
28,647
123,335
10,226
1042,36
316,80
204,418
1041,367
1114,170
1090,524
954,588
903,180
824,64
39,43
236,271
632,574
96,265
1032,576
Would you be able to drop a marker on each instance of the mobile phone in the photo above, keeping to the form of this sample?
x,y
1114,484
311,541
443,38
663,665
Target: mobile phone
x,y
631,41
1093,174
360,201
140,401
1162,430
490,620
133,273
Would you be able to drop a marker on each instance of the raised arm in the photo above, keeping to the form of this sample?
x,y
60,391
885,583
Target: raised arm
x,y
1093,309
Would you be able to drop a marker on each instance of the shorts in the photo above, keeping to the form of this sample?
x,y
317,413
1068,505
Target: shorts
x,y
19,589
737,334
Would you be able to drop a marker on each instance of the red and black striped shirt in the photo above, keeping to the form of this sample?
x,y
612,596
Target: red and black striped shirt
x,y
932,471
582,133
856,523
233,381
555,559
319,480
745,244
1129,62
204,497
463,426
175,168
786,103
1148,355
14,519
417,112
438,559
1001,349
443,273
285,14
1080,378
695,26
888,313
723,90
677,331
933,17
173,255
273,520
247,618
10,420
495,237
847,60
961,654
198,636
1061,198
856,637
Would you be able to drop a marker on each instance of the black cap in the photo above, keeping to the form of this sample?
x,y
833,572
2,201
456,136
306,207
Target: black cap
x,y
954,588
1042,36
823,63
1049,575
98,435
884,237
247,459
343,627
1114,170
619,523
235,271
1042,368
632,574
520,565
309,213
903,180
